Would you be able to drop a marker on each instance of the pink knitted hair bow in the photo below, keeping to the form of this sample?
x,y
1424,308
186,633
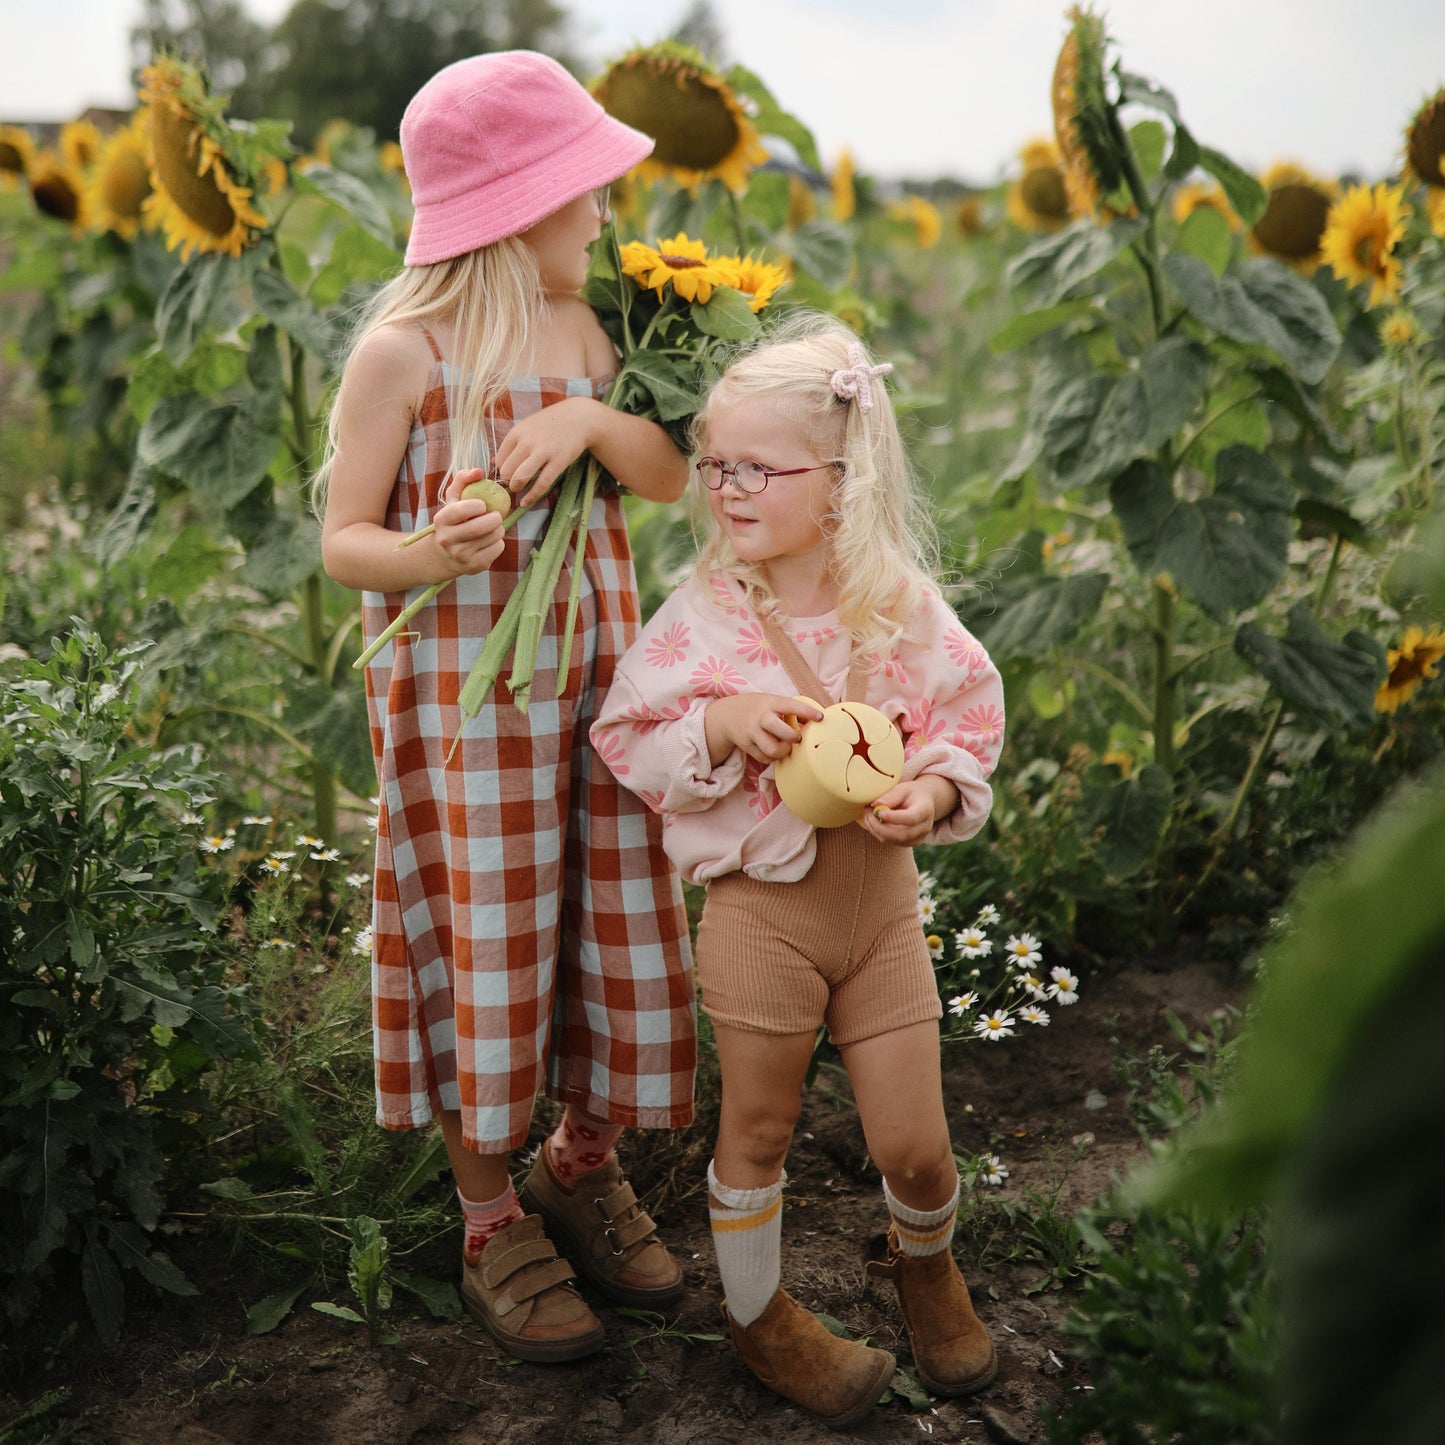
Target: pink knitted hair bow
x,y
852,382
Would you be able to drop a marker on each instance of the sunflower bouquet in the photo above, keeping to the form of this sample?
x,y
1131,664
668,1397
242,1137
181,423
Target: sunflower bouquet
x,y
667,306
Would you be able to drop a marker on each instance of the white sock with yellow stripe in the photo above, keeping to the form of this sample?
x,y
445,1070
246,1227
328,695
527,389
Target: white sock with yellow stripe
x,y
747,1234
923,1231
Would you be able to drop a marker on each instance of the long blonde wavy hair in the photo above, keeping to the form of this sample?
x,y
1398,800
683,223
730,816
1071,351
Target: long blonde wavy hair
x,y
881,544
493,299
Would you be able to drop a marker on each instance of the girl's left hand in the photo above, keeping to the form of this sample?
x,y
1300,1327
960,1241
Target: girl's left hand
x,y
905,814
539,448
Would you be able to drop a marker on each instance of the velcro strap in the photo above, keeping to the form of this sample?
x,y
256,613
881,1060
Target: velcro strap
x,y
628,1234
616,1204
496,1271
880,1269
537,1280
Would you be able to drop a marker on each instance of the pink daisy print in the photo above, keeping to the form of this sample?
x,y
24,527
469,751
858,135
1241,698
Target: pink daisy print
x,y
669,647
760,792
715,678
754,646
723,595
984,722
816,635
611,753
652,799
643,719
982,751
892,668
965,651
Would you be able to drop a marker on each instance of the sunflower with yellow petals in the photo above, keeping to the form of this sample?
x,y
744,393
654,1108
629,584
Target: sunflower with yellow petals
x,y
844,203
680,263
1293,222
697,121
80,142
1425,143
922,215
1083,123
201,193
1360,237
1039,200
1398,330
757,280
968,215
1416,658
17,151
58,189
1203,195
119,182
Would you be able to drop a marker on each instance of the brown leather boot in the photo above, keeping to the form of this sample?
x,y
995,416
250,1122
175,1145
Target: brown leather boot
x,y
791,1352
952,1353
517,1289
606,1233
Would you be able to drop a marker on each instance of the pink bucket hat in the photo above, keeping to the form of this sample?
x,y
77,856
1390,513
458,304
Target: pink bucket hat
x,y
494,143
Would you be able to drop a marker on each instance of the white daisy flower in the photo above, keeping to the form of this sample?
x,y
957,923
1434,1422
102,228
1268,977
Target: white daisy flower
x,y
1033,1014
990,1170
996,1025
1023,948
935,945
257,820
274,864
362,942
357,880
325,855
284,853
1034,986
927,907
987,916
191,819
281,945
217,844
305,840
1066,985
973,943
960,1003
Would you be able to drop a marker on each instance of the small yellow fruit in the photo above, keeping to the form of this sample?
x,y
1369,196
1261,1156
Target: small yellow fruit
x,y
493,493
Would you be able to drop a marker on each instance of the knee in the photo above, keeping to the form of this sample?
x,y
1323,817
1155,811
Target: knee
x,y
919,1169
761,1137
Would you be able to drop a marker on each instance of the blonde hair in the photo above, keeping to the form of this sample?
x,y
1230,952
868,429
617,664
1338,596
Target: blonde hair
x,y
492,298
881,546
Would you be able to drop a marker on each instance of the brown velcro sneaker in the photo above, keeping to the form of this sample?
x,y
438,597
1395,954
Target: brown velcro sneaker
x,y
521,1293
606,1233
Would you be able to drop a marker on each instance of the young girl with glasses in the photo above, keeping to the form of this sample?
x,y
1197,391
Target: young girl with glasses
x,y
528,930
815,580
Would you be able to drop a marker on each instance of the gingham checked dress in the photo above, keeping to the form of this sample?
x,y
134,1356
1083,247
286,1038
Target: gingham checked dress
x,y
528,931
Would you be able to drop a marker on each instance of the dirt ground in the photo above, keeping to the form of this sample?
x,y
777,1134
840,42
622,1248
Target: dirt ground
x,y
188,1372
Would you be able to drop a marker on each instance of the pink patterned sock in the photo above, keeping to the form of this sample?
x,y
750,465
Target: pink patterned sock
x,y
580,1144
484,1220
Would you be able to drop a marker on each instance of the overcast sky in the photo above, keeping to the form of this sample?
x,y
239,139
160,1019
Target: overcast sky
x,y
935,87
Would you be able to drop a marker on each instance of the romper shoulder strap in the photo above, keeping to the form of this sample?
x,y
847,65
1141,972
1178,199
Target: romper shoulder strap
x,y
802,676
432,342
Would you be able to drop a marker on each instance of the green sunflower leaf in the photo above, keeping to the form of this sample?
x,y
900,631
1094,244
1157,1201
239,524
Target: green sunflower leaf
x,y
1124,819
1048,269
1313,672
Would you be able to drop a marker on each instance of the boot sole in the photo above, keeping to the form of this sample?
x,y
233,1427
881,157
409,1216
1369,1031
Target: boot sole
x,y
580,1258
541,1352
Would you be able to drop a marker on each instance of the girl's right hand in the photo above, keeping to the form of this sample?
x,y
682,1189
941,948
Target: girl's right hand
x,y
764,725
468,533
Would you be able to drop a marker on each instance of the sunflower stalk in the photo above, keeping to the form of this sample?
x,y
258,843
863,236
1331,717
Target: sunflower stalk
x,y
574,592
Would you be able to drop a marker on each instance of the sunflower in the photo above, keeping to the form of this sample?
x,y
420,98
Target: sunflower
x,y
389,158
1410,664
682,263
1398,330
702,132
1435,209
1209,195
802,203
1039,199
1360,238
17,151
968,215
1083,118
922,215
757,280
120,181
840,183
80,142
198,196
1294,216
58,189
1425,143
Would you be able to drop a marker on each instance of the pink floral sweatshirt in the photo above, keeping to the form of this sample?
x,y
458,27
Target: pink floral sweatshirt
x,y
938,687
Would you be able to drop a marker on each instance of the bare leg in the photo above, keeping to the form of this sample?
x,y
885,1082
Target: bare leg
x,y
479,1177
762,1095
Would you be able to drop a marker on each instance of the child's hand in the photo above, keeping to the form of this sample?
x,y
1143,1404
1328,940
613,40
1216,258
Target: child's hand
x,y
906,813
539,448
468,533
764,725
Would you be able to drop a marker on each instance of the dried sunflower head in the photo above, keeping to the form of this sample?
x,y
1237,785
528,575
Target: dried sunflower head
x,y
1425,142
1084,124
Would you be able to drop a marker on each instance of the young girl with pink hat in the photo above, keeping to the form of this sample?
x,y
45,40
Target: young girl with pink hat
x,y
528,930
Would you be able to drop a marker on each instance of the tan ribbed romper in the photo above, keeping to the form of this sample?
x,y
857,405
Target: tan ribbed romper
x,y
842,946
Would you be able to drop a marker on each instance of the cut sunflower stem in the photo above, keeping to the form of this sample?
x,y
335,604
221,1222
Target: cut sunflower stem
x,y
579,559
